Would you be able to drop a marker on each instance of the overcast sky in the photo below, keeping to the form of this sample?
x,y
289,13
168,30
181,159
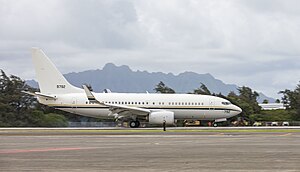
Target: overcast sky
x,y
255,43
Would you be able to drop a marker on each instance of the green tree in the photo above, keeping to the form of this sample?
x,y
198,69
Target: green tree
x,y
246,100
162,88
250,97
19,109
14,106
202,90
272,115
54,120
291,99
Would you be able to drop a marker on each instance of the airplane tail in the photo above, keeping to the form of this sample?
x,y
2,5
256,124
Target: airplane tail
x,y
50,80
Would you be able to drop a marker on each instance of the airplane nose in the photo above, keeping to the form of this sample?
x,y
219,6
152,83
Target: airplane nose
x,y
238,109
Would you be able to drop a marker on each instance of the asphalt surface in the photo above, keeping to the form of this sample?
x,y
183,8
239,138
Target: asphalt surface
x,y
149,151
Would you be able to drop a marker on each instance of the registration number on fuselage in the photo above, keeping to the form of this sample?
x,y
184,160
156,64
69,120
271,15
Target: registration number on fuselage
x,y
226,111
60,86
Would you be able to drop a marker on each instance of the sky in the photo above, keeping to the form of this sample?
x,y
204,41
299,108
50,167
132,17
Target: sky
x,y
254,43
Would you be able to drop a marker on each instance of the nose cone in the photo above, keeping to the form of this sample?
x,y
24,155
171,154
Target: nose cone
x,y
236,110
239,109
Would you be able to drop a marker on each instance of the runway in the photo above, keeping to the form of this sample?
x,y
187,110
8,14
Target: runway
x,y
127,150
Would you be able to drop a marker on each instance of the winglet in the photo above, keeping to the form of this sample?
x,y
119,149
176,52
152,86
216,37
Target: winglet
x,y
90,95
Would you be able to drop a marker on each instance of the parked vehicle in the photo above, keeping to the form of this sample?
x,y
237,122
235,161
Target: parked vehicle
x,y
192,123
285,123
256,124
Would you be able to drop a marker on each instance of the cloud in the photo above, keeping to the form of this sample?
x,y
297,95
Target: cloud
x,y
252,43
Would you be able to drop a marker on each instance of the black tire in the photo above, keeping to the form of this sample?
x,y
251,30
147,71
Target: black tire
x,y
132,124
137,124
215,124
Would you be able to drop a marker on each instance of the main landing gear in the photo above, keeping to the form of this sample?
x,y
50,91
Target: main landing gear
x,y
134,124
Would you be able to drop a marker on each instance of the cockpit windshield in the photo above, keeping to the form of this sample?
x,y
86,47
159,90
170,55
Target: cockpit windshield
x,y
226,103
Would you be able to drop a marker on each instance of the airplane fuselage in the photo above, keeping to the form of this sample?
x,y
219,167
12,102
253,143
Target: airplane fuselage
x,y
184,106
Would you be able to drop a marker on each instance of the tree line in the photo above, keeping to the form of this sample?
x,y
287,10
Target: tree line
x,y
22,110
19,109
246,99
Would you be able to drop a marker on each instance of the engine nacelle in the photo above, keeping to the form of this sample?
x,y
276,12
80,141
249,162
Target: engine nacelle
x,y
160,117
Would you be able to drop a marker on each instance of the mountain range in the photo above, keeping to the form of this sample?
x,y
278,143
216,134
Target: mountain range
x,y
123,79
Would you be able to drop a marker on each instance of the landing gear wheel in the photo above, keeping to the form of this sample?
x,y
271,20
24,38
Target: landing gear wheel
x,y
137,124
134,124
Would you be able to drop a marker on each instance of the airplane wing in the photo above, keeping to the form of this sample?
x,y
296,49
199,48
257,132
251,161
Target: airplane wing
x,y
37,94
120,110
123,110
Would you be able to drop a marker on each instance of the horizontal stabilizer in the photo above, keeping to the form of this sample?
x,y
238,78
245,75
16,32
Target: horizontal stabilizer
x,y
38,94
30,93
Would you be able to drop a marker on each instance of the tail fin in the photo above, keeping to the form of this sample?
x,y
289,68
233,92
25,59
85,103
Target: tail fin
x,y
50,80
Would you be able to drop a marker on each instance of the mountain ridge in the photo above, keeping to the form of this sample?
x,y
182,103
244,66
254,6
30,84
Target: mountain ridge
x,y
123,79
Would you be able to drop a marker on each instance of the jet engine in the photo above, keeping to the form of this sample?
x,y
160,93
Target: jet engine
x,y
161,116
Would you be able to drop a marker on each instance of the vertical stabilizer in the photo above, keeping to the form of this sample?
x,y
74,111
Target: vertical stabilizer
x,y
50,80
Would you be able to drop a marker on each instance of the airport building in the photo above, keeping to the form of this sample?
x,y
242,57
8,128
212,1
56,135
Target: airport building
x,y
272,106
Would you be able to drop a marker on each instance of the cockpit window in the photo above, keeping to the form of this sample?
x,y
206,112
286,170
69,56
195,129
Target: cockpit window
x,y
226,103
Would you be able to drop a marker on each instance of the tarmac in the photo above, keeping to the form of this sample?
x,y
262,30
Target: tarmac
x,y
178,149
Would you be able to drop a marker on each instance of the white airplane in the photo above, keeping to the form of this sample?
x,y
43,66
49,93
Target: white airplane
x,y
57,92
